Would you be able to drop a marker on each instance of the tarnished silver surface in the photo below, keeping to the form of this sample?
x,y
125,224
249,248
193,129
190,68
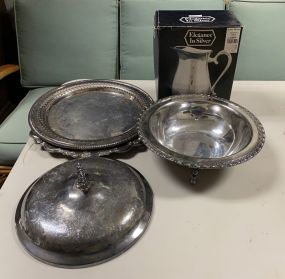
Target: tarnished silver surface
x,y
77,154
84,212
89,114
201,131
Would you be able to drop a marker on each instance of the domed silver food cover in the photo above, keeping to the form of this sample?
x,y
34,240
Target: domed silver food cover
x,y
84,212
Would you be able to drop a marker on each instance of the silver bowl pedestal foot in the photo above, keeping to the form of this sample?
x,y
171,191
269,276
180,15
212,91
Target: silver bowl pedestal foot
x,y
194,176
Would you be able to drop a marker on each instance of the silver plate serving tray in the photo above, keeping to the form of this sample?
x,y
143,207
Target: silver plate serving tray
x,y
89,114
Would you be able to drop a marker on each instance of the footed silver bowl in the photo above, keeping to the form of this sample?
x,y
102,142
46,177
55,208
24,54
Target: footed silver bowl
x,y
201,131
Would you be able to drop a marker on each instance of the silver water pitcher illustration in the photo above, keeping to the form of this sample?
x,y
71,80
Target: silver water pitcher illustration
x,y
192,74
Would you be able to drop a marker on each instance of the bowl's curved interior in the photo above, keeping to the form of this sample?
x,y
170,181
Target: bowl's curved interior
x,y
200,128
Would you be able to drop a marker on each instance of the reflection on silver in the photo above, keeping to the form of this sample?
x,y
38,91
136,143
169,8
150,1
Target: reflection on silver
x,y
137,232
50,227
61,225
65,210
201,131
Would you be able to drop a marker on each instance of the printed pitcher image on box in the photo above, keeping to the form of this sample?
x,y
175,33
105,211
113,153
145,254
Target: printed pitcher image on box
x,y
195,52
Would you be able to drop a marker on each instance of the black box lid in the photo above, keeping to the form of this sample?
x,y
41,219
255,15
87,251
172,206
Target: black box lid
x,y
195,18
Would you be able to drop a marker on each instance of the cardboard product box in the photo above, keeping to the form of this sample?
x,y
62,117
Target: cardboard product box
x,y
195,52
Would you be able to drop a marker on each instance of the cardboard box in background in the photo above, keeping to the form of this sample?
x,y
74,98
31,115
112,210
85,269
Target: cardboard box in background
x,y
194,49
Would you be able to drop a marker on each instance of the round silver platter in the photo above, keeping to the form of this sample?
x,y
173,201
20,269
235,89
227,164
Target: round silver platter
x,y
201,131
84,212
89,114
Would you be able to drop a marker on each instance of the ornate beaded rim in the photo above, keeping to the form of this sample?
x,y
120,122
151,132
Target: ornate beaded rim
x,y
251,150
77,154
39,112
